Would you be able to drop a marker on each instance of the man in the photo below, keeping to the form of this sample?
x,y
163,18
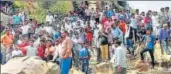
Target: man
x,y
120,58
16,52
49,18
108,13
25,29
41,49
164,35
103,46
150,42
116,32
16,20
84,58
87,14
167,14
76,48
7,39
65,53
155,23
161,17
31,49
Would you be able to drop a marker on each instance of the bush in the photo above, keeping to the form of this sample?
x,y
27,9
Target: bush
x,y
42,7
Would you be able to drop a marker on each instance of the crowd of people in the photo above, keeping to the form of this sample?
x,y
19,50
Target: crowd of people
x,y
7,8
84,33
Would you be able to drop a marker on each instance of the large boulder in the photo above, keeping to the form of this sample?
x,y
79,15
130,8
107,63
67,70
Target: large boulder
x,y
104,68
29,65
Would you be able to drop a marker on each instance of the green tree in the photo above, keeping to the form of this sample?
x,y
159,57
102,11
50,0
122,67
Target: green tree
x,y
42,7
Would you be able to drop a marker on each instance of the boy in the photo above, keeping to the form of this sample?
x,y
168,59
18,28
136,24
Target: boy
x,y
31,49
84,58
16,52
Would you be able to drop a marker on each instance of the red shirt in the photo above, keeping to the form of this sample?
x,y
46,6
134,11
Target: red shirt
x,y
22,47
89,36
122,26
104,19
41,51
147,20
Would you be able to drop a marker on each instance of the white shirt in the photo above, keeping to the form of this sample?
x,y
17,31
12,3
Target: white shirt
x,y
49,18
100,27
58,49
31,51
48,29
19,41
120,56
17,53
25,29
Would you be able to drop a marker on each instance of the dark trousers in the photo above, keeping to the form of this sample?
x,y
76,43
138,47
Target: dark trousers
x,y
151,54
98,55
97,20
85,68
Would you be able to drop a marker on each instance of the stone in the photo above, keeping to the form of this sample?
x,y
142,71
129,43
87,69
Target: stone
x,y
75,71
141,66
104,68
29,65
53,68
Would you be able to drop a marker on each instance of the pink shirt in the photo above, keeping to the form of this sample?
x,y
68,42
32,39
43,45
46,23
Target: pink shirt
x,y
66,44
108,24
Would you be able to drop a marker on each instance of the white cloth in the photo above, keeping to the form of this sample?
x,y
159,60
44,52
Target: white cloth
x,y
25,29
16,53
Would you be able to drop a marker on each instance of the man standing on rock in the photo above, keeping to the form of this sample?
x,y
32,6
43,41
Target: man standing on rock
x,y
65,53
120,59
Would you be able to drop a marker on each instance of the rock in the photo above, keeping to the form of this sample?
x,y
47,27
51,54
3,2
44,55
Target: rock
x,y
141,66
53,68
29,65
75,71
104,68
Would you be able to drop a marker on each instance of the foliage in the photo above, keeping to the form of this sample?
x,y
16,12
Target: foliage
x,y
62,7
20,4
42,7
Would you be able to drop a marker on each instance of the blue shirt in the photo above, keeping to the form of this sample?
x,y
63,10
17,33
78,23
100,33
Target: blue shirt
x,y
163,34
109,13
57,35
151,43
84,53
133,23
116,32
122,17
16,19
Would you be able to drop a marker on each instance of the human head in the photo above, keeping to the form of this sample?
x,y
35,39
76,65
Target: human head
x,y
49,43
143,13
137,11
118,43
107,8
148,31
133,15
167,9
64,34
162,9
85,45
165,26
42,42
31,42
